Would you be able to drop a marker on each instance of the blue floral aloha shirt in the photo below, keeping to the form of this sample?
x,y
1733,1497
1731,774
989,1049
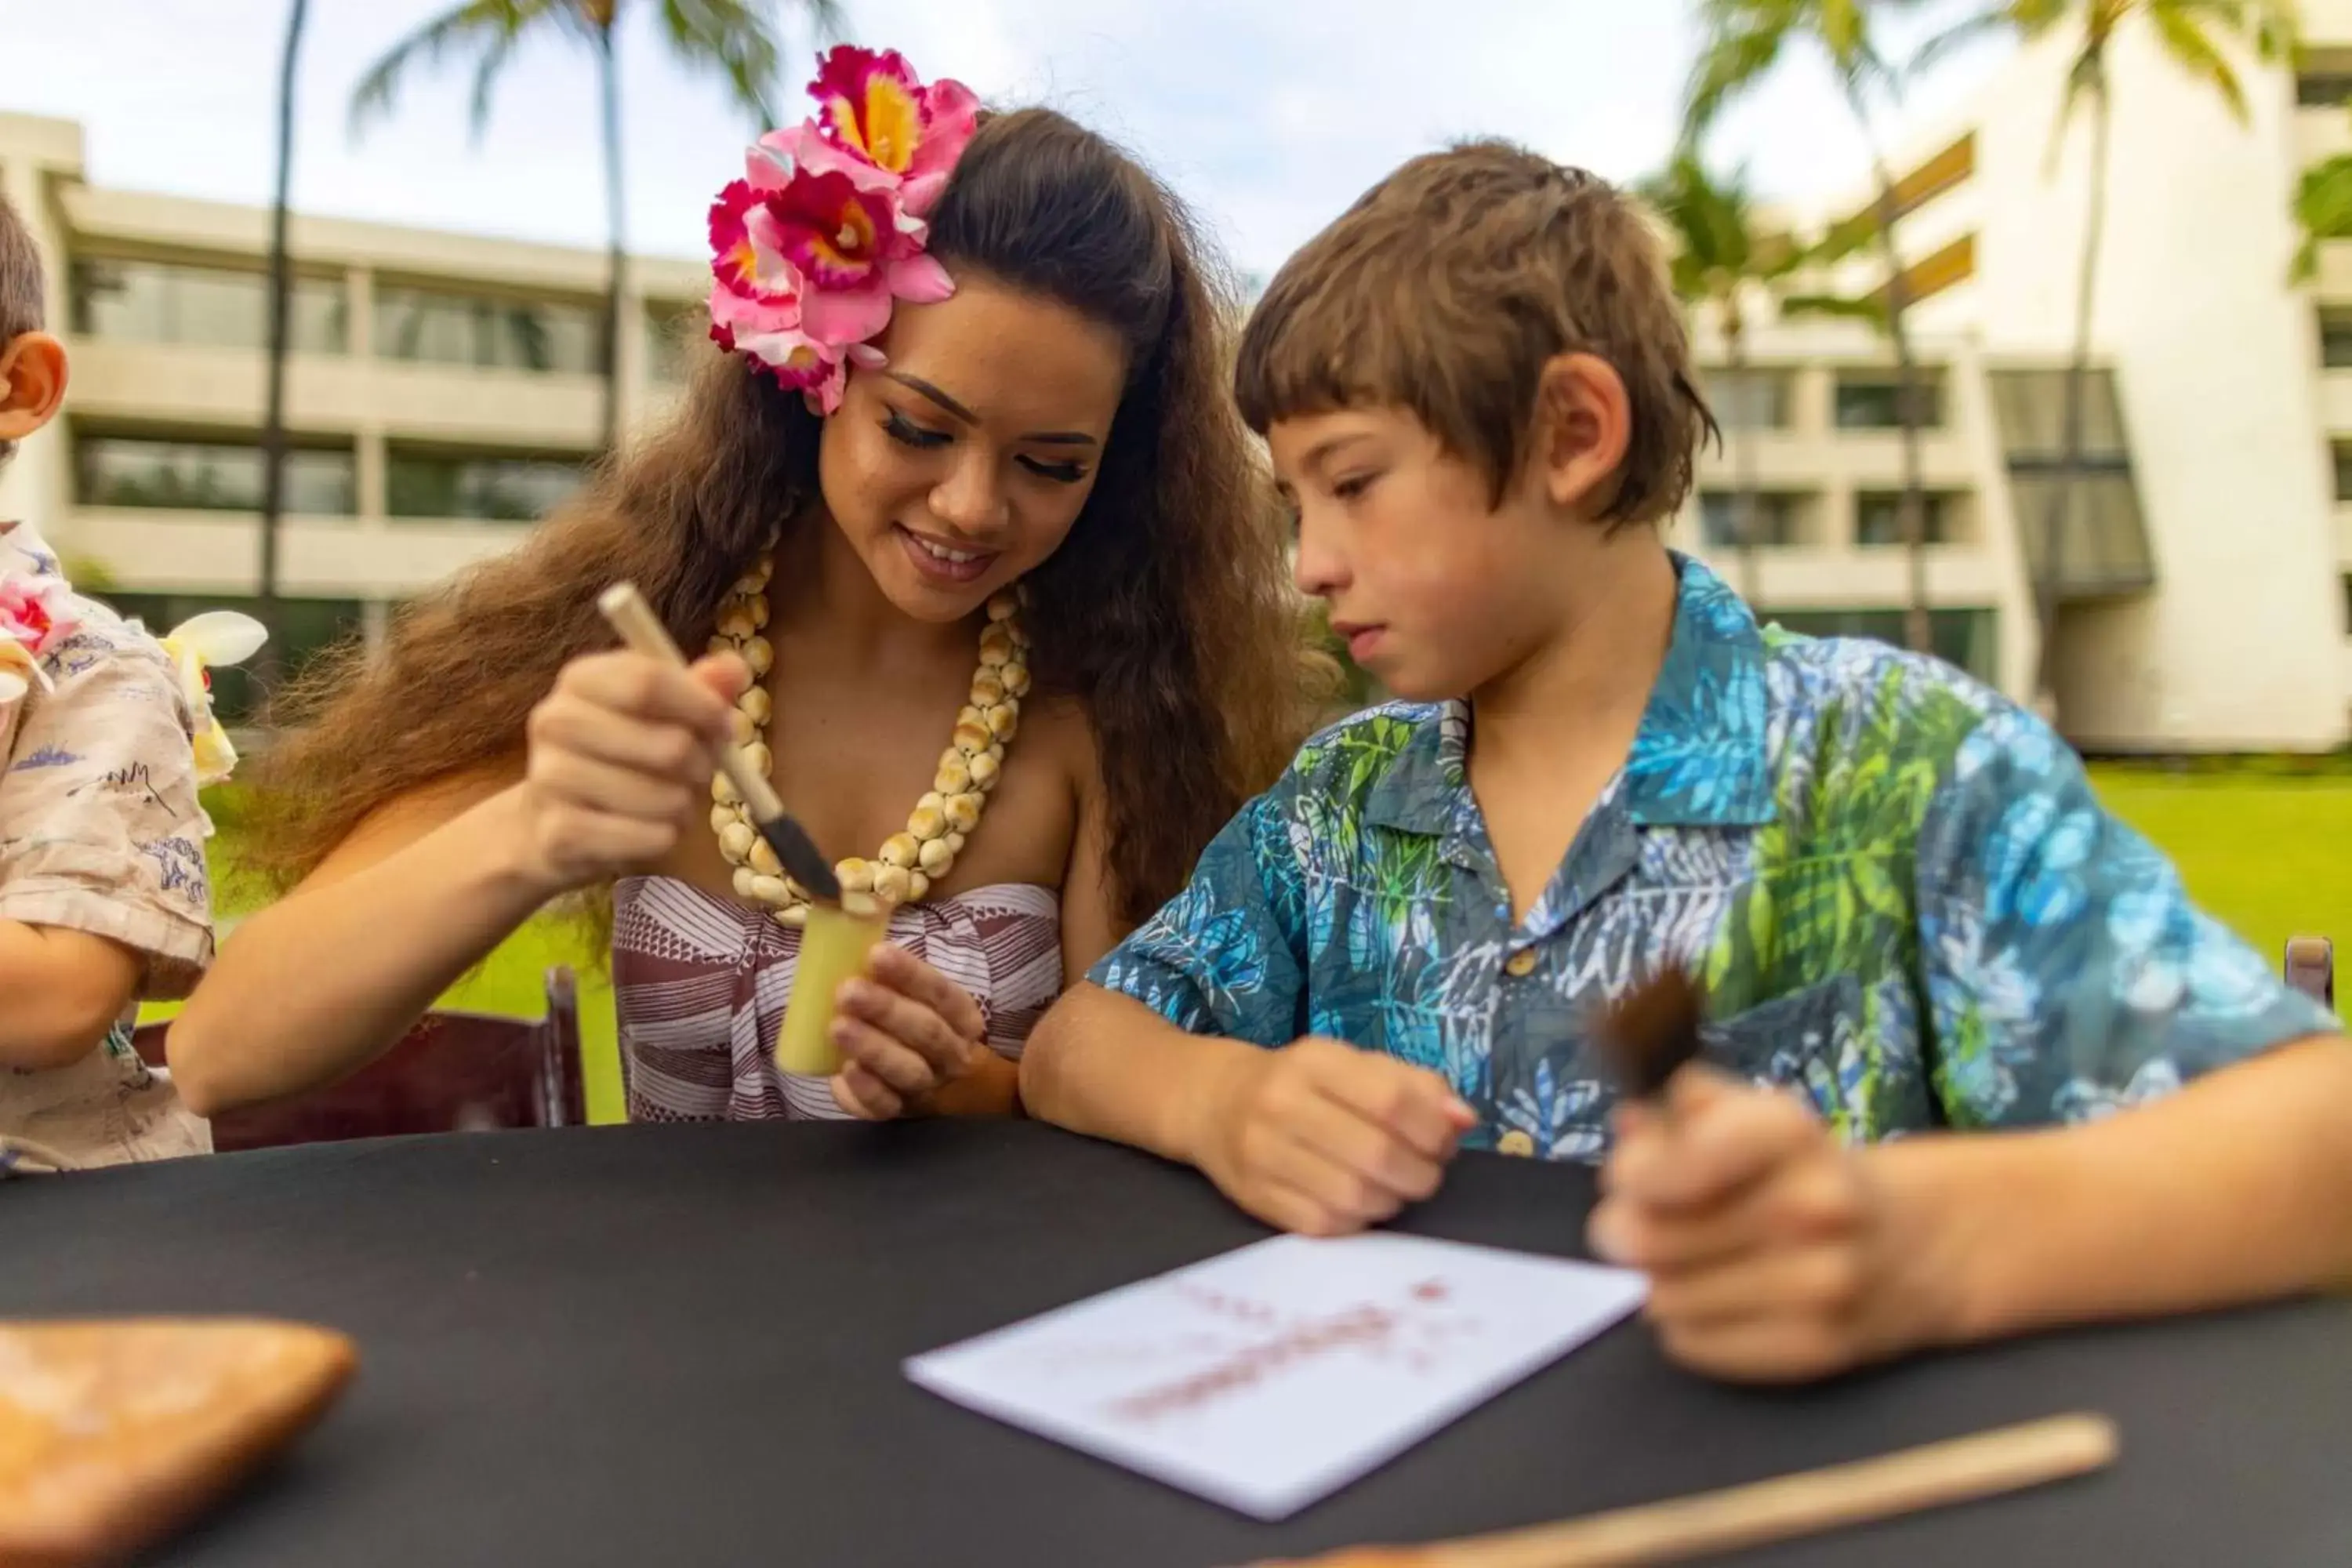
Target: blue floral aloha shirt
x,y
1898,888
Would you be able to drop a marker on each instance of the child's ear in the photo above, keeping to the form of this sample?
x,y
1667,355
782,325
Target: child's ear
x,y
32,384
1583,421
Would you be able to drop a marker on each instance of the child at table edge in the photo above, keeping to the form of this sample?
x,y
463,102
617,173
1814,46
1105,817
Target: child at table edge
x,y
103,893
1975,1063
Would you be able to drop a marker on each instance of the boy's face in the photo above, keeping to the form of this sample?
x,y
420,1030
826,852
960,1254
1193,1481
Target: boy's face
x,y
1435,590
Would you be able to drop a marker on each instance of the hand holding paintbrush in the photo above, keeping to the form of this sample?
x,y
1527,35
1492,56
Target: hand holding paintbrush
x,y
1775,1253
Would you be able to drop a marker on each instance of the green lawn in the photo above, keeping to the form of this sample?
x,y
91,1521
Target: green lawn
x,y
2269,854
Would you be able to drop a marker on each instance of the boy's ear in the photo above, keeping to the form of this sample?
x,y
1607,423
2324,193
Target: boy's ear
x,y
1583,422
32,384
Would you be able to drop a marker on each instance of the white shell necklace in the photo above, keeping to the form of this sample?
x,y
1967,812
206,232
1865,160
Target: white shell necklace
x,y
908,862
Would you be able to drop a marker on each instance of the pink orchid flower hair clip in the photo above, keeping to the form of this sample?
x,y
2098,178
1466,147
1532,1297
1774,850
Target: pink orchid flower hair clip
x,y
811,250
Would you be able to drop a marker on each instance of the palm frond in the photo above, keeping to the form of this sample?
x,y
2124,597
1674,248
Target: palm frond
x,y
2182,33
739,41
2323,210
1999,18
491,26
1743,44
1870,308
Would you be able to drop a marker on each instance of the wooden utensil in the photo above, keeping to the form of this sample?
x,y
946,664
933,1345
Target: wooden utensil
x,y
112,1434
2007,1459
627,610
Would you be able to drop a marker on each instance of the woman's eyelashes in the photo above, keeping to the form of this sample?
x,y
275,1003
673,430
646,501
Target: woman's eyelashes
x,y
1352,485
905,431
1061,470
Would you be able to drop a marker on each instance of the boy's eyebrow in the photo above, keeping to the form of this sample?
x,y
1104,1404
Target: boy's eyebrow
x,y
957,410
1322,449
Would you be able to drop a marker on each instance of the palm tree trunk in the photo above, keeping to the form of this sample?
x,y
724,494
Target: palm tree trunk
x,y
1743,457
265,663
2062,511
608,75
1918,630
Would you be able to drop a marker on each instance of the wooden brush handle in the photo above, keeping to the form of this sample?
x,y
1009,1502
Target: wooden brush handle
x,y
2007,1459
627,610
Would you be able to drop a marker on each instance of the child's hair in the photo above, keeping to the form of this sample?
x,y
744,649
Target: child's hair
x,y
1445,291
1167,611
21,305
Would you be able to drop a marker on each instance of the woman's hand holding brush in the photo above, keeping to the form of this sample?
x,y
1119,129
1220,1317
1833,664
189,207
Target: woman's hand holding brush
x,y
620,755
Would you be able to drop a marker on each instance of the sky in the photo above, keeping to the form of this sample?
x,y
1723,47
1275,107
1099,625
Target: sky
x,y
1268,116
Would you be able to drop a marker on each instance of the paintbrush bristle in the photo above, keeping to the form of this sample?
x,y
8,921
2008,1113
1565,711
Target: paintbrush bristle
x,y
1649,1032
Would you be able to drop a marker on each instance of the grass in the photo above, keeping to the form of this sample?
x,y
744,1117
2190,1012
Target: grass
x,y
2267,853
2266,850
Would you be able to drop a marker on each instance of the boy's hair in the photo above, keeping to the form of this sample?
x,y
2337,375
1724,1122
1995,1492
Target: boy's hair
x,y
21,309
1445,291
20,288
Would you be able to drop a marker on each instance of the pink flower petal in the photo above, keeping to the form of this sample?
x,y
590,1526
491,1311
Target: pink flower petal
x,y
840,317
865,357
921,279
920,192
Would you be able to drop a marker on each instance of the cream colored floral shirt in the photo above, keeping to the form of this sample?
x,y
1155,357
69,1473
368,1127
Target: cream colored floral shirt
x,y
101,832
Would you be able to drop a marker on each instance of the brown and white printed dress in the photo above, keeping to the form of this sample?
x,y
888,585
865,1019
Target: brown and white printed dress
x,y
101,832
700,984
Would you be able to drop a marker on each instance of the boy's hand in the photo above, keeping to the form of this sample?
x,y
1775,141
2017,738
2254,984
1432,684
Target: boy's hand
x,y
1775,1254
1324,1139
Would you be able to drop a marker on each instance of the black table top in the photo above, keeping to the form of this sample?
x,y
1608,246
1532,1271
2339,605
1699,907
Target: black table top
x,y
679,1346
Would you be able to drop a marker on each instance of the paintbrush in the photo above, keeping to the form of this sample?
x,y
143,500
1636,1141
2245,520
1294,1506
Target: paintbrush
x,y
1648,1033
1788,1508
627,610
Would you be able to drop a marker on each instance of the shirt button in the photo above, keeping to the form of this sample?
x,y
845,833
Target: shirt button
x,y
1515,1142
1522,963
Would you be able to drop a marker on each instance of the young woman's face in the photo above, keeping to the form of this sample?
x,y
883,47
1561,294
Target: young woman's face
x,y
961,465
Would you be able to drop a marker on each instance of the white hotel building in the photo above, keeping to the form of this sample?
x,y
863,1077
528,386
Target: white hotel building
x,y
444,389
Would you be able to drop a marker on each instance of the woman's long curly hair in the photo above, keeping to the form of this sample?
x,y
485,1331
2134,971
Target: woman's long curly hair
x,y
1166,612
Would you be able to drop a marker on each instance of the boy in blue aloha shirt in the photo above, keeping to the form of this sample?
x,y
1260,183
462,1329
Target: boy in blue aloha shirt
x,y
1909,910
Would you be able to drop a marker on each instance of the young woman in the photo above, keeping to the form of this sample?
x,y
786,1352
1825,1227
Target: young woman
x,y
964,474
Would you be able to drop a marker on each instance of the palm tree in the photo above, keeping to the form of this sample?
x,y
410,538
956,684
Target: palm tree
x,y
273,413
735,40
2190,33
1742,42
1721,255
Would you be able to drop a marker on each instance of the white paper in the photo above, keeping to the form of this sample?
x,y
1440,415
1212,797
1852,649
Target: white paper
x,y
1271,1376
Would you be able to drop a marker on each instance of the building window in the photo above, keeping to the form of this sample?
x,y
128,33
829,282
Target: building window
x,y
444,328
2343,473
1776,519
1878,517
1964,638
2348,603
2324,89
207,476
2336,341
673,334
172,302
490,486
2102,545
1749,399
306,628
1869,400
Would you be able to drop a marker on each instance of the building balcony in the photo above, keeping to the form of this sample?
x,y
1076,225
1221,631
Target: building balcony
x,y
188,386
154,551
1959,577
